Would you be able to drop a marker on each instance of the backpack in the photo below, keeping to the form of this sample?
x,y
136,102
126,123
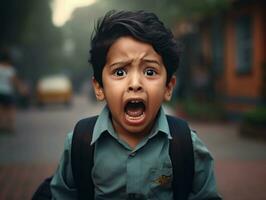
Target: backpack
x,y
180,151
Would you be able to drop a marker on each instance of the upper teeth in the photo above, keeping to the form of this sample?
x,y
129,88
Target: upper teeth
x,y
134,101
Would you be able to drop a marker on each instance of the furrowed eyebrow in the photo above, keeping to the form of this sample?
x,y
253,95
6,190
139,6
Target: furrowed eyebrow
x,y
119,63
152,61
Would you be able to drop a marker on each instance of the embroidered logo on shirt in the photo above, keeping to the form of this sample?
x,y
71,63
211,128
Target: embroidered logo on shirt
x,y
163,180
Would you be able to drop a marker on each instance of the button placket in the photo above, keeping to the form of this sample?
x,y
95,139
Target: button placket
x,y
132,175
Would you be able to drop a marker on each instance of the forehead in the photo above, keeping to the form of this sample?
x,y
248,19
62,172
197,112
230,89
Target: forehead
x,y
129,47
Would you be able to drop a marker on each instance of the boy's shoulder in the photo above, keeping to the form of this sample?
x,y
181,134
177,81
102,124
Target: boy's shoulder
x,y
177,125
84,129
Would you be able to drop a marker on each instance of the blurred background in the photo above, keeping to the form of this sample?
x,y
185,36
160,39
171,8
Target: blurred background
x,y
221,87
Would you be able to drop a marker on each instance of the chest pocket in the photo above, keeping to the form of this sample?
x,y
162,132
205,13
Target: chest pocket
x,y
160,183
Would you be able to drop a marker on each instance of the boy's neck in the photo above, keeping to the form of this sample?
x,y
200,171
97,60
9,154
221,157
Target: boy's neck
x,y
133,139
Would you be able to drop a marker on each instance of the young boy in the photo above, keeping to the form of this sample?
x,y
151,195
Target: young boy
x,y
134,58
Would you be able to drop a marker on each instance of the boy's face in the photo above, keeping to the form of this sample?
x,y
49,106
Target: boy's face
x,y
134,85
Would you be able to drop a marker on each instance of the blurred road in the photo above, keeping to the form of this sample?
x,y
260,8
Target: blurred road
x,y
40,132
32,153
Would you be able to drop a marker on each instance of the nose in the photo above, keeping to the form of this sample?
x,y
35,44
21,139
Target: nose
x,y
135,84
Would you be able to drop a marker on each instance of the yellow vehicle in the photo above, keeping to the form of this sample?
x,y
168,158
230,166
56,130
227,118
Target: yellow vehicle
x,y
54,89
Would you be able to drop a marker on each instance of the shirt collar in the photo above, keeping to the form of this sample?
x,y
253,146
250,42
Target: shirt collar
x,y
161,125
104,124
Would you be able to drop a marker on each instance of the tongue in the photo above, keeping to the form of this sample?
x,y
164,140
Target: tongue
x,y
134,109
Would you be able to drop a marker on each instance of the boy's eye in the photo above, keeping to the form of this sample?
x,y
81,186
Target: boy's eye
x,y
119,72
150,72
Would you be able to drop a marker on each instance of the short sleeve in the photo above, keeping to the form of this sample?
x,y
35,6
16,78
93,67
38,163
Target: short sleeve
x,y
62,184
204,184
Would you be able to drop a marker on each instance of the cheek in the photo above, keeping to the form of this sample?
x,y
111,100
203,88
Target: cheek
x,y
113,88
157,86
156,93
113,91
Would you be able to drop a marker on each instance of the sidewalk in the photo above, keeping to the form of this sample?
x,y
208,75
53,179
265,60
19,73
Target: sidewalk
x,y
241,179
240,163
19,181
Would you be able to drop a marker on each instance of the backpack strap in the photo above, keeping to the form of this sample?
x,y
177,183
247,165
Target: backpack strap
x,y
43,191
182,157
82,157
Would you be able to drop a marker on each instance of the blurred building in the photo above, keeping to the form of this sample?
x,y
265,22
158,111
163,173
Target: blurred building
x,y
230,46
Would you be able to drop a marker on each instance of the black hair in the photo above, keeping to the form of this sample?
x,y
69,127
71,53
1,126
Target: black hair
x,y
141,25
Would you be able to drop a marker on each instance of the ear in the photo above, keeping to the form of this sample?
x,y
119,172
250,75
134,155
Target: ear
x,y
98,90
169,88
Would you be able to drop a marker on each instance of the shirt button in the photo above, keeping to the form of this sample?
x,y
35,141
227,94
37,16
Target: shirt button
x,y
132,154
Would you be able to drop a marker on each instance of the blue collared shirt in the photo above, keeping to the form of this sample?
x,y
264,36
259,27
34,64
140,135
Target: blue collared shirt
x,y
120,172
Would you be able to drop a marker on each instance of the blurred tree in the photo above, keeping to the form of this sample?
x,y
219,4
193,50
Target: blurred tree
x,y
13,14
77,32
41,40
26,26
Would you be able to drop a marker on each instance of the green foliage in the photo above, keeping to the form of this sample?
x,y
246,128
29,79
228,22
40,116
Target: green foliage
x,y
256,116
26,26
253,124
13,15
202,110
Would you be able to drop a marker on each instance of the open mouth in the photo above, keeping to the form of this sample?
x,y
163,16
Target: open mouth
x,y
135,109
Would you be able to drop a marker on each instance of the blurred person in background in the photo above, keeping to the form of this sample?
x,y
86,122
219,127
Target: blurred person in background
x,y
8,85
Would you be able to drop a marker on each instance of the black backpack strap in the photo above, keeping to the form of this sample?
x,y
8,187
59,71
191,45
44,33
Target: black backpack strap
x,y
43,191
182,157
82,157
